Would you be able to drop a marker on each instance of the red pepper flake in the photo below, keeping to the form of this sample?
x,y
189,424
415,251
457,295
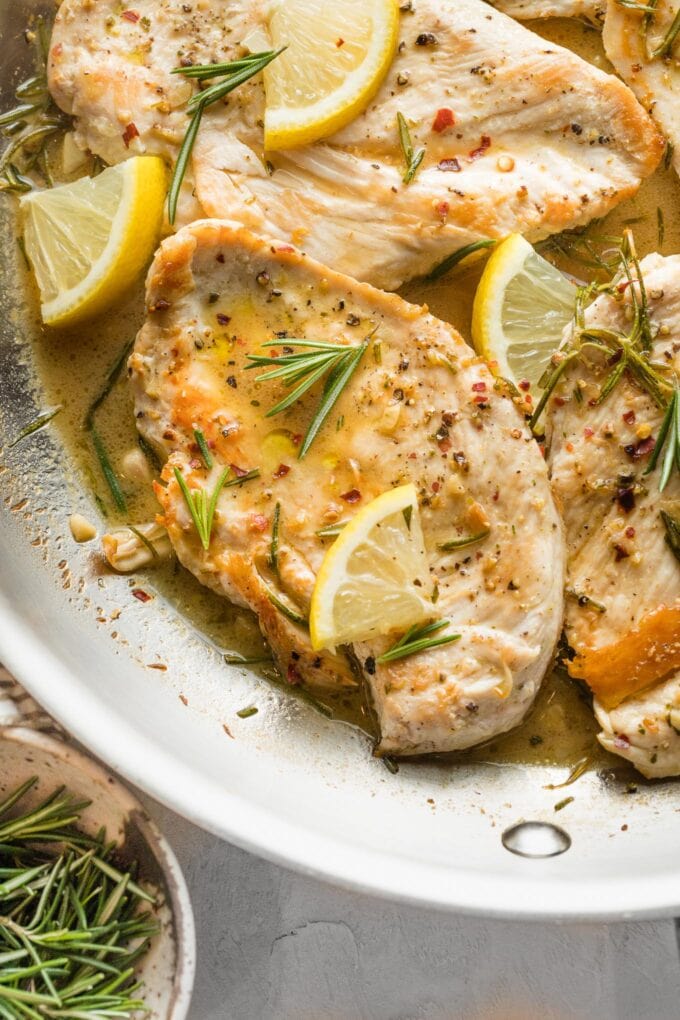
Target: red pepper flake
x,y
524,385
285,247
588,432
482,401
485,143
479,387
636,451
293,675
629,417
450,165
496,496
630,532
444,119
281,471
339,43
238,471
621,553
142,595
159,306
569,447
559,401
622,287
129,134
296,439
444,445
442,209
436,486
621,741
258,522
132,16
413,456
541,447
353,496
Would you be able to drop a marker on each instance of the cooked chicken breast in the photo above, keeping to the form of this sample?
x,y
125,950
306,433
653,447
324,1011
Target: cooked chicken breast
x,y
623,613
655,80
421,407
519,135
592,10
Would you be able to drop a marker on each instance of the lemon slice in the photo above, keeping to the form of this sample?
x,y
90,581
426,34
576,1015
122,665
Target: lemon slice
x,y
336,59
374,579
521,307
90,240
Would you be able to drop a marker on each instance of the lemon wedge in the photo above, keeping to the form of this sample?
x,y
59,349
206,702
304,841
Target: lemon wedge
x,y
90,240
374,579
336,59
520,310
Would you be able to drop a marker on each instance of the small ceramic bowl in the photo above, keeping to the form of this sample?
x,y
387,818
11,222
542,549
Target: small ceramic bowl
x,y
168,969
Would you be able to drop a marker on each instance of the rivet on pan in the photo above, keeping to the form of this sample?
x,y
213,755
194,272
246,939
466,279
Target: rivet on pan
x,y
536,839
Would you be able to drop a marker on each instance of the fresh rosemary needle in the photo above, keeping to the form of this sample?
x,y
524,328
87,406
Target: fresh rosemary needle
x,y
72,930
201,506
669,436
232,74
462,543
412,158
302,370
418,639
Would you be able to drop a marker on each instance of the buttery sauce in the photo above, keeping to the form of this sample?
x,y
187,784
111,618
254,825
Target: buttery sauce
x,y
73,366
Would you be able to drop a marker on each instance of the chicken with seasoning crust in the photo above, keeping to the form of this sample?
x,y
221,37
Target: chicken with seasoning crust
x,y
420,408
518,135
623,533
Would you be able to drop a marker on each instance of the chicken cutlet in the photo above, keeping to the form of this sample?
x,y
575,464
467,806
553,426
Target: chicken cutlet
x,y
644,50
519,135
622,616
420,408
591,10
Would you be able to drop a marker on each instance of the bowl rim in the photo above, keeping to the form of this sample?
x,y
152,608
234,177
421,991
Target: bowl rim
x,y
184,931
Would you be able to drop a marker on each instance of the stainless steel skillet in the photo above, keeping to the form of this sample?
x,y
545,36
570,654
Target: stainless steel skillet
x,y
291,785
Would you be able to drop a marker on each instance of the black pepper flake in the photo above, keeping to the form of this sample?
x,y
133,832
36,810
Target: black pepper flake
x,y
426,39
577,129
621,553
638,450
626,499
472,706
213,299
231,381
369,665
352,319
219,258
223,319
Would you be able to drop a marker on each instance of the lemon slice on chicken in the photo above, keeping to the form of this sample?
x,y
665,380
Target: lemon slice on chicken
x,y
90,240
374,579
520,310
336,58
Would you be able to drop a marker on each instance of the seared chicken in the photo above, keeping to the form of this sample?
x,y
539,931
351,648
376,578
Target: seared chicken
x,y
623,578
591,10
421,408
519,135
654,79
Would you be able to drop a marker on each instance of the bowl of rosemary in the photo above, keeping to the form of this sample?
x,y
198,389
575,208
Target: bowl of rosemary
x,y
95,916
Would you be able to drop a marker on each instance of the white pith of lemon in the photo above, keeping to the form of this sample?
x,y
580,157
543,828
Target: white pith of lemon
x,y
521,308
88,241
336,58
374,579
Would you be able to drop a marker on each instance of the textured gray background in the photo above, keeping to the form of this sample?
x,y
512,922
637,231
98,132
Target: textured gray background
x,y
273,945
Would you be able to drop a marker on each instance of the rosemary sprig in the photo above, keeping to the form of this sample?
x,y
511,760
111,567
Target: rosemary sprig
x,y
201,506
37,424
202,445
71,928
232,74
461,543
623,352
412,158
331,530
302,370
417,639
669,436
31,124
274,547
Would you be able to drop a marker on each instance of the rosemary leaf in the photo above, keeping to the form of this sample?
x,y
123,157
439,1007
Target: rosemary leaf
x,y
202,445
461,543
36,425
417,639
672,527
201,506
668,437
412,158
246,713
274,547
456,257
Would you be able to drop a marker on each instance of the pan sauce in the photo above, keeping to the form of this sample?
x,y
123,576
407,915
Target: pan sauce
x,y
73,364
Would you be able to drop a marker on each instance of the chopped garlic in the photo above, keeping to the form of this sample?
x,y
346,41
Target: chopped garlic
x,y
81,529
127,552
